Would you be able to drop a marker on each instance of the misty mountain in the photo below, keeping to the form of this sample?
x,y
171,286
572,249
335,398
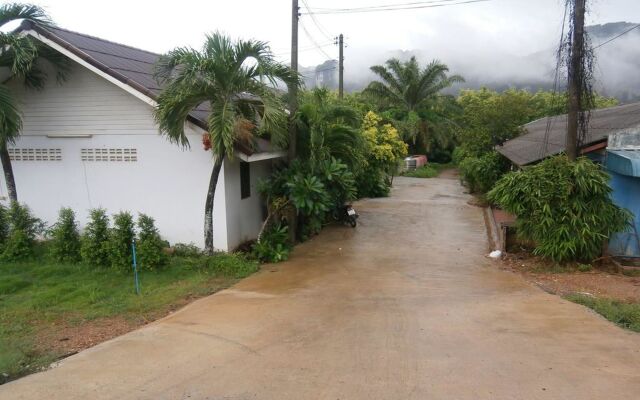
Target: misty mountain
x,y
616,68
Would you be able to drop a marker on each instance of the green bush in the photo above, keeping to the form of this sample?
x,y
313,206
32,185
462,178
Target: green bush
x,y
120,239
93,249
564,207
23,229
65,238
186,250
481,173
150,246
4,226
426,171
273,246
235,265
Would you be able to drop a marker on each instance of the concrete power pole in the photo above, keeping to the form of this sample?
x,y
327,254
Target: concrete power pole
x,y
293,89
341,67
576,74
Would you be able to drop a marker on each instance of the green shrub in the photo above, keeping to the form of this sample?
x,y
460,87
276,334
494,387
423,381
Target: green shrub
x,y
481,173
23,229
186,250
94,250
4,226
426,171
150,246
120,239
65,238
273,246
459,154
564,207
235,265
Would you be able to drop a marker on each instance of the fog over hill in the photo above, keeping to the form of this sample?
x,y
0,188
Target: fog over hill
x,y
617,69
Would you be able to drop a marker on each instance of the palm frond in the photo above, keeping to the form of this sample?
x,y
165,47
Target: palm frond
x,y
16,11
10,118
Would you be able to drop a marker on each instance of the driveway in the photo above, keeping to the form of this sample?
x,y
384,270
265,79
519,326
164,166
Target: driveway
x,y
405,306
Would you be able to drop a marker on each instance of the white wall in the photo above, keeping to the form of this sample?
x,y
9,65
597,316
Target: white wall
x,y
244,216
166,182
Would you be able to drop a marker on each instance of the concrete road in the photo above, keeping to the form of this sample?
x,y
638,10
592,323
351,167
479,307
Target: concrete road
x,y
403,307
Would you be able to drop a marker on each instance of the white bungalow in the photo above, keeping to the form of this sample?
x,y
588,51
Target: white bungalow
x,y
92,142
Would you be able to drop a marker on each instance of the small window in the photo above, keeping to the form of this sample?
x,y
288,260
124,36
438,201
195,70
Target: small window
x,y
245,180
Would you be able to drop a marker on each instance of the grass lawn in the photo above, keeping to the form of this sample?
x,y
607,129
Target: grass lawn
x,y
431,170
626,315
39,298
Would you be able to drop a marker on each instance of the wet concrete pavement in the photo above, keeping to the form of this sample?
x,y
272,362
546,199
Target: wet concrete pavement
x,y
405,306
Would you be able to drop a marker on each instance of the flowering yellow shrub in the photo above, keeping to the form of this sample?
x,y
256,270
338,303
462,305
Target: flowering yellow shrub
x,y
384,142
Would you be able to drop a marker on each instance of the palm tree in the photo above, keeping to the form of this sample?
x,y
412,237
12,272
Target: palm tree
x,y
235,81
21,55
413,95
328,128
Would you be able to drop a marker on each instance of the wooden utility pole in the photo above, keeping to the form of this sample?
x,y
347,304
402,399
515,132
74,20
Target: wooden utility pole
x,y
576,74
341,67
293,89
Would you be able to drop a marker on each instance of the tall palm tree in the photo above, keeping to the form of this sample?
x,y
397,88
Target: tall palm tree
x,y
414,95
235,81
22,56
328,128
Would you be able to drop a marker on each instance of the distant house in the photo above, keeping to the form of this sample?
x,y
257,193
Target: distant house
x,y
613,140
92,142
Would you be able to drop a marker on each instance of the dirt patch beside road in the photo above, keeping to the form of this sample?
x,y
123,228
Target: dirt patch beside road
x,y
601,281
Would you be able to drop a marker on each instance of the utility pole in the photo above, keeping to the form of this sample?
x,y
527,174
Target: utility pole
x,y
341,67
293,89
576,74
293,107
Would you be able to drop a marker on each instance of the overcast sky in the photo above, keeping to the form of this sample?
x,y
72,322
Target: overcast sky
x,y
517,26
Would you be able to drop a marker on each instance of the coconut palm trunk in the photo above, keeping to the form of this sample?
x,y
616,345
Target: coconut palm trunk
x,y
208,207
7,168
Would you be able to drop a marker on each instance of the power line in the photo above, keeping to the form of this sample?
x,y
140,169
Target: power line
x,y
392,7
315,21
304,28
415,3
616,37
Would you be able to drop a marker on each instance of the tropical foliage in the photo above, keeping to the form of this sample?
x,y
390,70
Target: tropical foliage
x,y
235,81
564,207
411,96
65,238
21,55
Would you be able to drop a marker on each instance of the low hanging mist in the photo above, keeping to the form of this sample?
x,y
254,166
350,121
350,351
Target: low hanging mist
x,y
617,70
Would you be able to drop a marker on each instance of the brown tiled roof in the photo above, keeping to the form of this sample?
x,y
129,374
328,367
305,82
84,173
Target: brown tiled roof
x,y
129,65
528,148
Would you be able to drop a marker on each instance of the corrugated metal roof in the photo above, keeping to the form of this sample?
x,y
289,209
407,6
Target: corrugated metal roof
x,y
624,162
528,147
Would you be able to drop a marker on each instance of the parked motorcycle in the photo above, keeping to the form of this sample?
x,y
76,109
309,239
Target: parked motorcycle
x,y
346,214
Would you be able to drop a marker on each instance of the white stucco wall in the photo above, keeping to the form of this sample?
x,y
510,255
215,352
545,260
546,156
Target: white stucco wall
x,y
244,216
166,182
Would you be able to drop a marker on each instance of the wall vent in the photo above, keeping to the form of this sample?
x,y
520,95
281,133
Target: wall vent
x,y
109,155
30,154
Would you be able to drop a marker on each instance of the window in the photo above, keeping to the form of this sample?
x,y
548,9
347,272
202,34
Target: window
x,y
112,155
245,180
29,154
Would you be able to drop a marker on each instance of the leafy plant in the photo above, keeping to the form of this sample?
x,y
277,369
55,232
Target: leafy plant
x,y
564,207
65,238
150,246
186,250
273,246
481,173
23,229
5,227
120,239
94,241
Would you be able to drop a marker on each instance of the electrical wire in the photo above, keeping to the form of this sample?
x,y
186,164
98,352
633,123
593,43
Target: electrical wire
x,y
315,21
616,37
392,7
551,120
318,47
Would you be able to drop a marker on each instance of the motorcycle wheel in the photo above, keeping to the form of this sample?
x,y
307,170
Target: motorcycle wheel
x,y
352,222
